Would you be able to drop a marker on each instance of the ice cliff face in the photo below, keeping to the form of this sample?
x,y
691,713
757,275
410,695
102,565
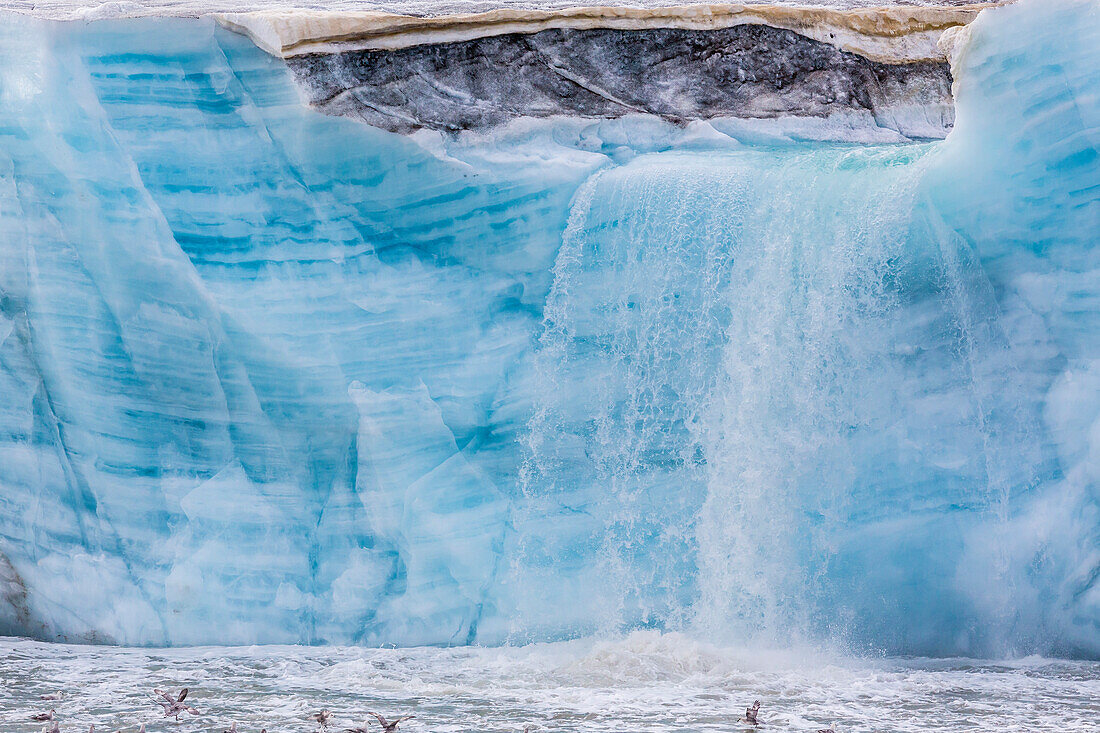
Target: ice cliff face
x,y
273,376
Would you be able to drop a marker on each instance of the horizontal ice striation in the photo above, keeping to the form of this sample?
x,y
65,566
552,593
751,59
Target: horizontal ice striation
x,y
217,305
273,376
747,71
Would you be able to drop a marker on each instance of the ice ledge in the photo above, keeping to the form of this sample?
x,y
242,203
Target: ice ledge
x,y
893,35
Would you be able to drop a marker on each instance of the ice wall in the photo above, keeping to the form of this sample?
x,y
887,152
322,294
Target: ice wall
x,y
269,376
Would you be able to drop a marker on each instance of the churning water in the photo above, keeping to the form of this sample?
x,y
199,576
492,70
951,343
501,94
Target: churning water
x,y
644,682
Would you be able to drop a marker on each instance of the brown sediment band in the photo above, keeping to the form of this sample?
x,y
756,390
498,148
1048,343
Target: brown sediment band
x,y
893,34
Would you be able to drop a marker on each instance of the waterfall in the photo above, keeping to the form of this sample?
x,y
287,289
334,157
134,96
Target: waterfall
x,y
781,392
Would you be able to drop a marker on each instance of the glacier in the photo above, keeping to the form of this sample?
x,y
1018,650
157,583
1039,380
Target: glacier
x,y
269,376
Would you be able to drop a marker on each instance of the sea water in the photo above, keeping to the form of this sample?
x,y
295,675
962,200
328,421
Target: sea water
x,y
646,681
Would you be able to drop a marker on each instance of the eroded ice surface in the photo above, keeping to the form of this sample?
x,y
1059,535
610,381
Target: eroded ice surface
x,y
270,376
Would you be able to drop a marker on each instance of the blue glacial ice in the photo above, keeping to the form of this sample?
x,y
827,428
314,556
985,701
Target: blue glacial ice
x,y
270,376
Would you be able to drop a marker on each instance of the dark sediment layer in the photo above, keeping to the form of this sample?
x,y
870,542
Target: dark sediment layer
x,y
747,71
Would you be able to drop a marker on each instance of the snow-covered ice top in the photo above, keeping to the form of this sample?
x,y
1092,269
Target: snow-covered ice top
x,y
68,9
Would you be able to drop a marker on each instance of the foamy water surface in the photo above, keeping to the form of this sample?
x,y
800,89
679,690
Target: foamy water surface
x,y
645,682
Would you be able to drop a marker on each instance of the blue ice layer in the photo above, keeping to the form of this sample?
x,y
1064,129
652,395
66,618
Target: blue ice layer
x,y
268,376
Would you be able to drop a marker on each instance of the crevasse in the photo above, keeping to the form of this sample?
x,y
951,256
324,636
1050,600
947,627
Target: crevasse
x,y
268,376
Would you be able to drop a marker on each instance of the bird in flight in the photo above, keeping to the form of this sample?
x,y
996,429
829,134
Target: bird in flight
x,y
174,707
751,713
388,726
